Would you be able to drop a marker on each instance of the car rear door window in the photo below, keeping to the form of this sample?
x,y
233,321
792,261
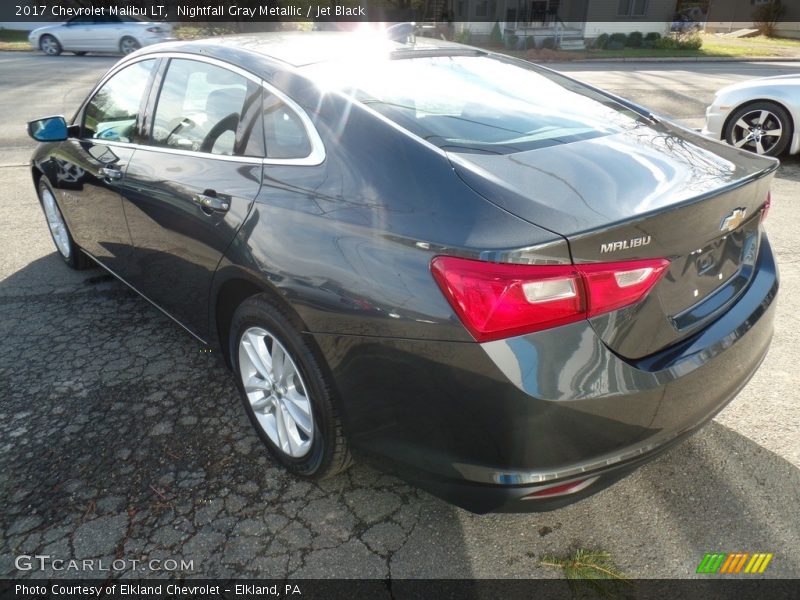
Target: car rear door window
x,y
113,112
204,108
285,135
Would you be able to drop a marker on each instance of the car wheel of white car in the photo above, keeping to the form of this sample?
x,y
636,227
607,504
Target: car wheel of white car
x,y
762,127
49,45
128,45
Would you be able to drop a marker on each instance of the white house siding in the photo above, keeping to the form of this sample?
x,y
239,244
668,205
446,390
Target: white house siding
x,y
600,12
593,29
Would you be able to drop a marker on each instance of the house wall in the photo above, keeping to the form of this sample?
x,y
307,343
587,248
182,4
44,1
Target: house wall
x,y
740,15
602,17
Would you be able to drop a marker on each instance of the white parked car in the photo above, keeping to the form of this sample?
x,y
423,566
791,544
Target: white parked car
x,y
84,34
760,115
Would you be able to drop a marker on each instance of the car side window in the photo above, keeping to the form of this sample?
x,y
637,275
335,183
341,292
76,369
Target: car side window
x,y
284,133
113,112
203,108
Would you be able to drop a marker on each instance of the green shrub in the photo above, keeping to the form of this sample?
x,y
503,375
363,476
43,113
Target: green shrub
x,y
635,39
496,36
464,36
602,41
511,41
681,41
617,41
651,40
549,43
766,17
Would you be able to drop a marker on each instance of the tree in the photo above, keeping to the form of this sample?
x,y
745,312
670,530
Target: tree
x,y
766,16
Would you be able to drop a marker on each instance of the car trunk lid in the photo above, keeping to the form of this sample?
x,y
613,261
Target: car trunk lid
x,y
652,192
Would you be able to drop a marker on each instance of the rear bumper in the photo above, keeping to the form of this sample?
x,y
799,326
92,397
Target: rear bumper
x,y
485,425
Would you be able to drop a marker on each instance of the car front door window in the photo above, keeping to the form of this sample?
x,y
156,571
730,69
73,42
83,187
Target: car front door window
x,y
112,114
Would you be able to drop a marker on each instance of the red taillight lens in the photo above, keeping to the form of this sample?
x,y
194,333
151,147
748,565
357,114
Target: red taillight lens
x,y
766,207
502,300
562,489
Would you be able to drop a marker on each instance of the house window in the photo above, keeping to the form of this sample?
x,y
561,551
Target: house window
x,y
486,8
632,8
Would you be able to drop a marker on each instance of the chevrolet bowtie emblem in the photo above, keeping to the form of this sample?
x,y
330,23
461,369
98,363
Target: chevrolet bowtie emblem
x,y
733,220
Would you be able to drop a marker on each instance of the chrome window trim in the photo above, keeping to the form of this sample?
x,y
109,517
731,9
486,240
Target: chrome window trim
x,y
315,157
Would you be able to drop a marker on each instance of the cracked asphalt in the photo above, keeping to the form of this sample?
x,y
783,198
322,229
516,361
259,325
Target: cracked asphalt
x,y
120,439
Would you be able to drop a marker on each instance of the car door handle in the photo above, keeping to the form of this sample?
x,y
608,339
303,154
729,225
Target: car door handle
x,y
210,202
110,174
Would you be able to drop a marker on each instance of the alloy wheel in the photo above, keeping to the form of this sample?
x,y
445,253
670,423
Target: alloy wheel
x,y
56,224
49,45
276,392
129,45
758,131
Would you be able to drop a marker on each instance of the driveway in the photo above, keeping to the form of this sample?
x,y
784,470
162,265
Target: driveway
x,y
120,439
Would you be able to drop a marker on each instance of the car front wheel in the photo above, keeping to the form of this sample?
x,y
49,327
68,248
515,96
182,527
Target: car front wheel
x,y
72,255
50,45
285,393
762,127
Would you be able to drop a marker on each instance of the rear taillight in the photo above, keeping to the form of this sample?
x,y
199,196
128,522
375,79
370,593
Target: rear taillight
x,y
561,489
503,300
766,207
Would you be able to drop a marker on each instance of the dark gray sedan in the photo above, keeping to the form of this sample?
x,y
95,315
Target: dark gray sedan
x,y
506,286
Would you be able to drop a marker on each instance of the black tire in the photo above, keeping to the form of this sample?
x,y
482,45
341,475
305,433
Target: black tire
x,y
81,53
127,45
777,117
50,45
76,258
329,453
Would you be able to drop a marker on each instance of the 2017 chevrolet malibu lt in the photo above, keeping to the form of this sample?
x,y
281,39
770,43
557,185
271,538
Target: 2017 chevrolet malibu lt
x,y
98,33
759,115
507,286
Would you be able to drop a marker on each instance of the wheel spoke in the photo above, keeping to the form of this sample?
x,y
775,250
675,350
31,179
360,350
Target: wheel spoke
x,y
299,409
743,124
283,434
762,117
261,403
759,147
278,363
773,132
742,141
257,353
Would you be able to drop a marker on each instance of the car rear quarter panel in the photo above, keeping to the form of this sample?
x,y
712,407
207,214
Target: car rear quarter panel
x,y
348,243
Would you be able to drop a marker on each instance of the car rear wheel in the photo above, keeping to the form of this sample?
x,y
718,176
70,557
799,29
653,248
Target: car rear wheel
x,y
285,393
763,127
128,45
69,251
50,45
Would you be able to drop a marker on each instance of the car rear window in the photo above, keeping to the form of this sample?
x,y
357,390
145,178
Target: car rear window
x,y
480,103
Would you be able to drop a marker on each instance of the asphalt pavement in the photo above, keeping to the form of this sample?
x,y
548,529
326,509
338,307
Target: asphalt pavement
x,y
119,439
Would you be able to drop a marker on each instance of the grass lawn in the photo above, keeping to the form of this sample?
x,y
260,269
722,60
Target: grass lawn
x,y
12,39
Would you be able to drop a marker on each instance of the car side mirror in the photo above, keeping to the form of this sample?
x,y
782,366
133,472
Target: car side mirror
x,y
49,129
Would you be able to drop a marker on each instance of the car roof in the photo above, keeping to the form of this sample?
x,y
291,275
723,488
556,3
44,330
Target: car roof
x,y
298,49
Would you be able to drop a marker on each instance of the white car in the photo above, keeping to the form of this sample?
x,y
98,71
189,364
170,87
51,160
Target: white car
x,y
760,115
84,34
